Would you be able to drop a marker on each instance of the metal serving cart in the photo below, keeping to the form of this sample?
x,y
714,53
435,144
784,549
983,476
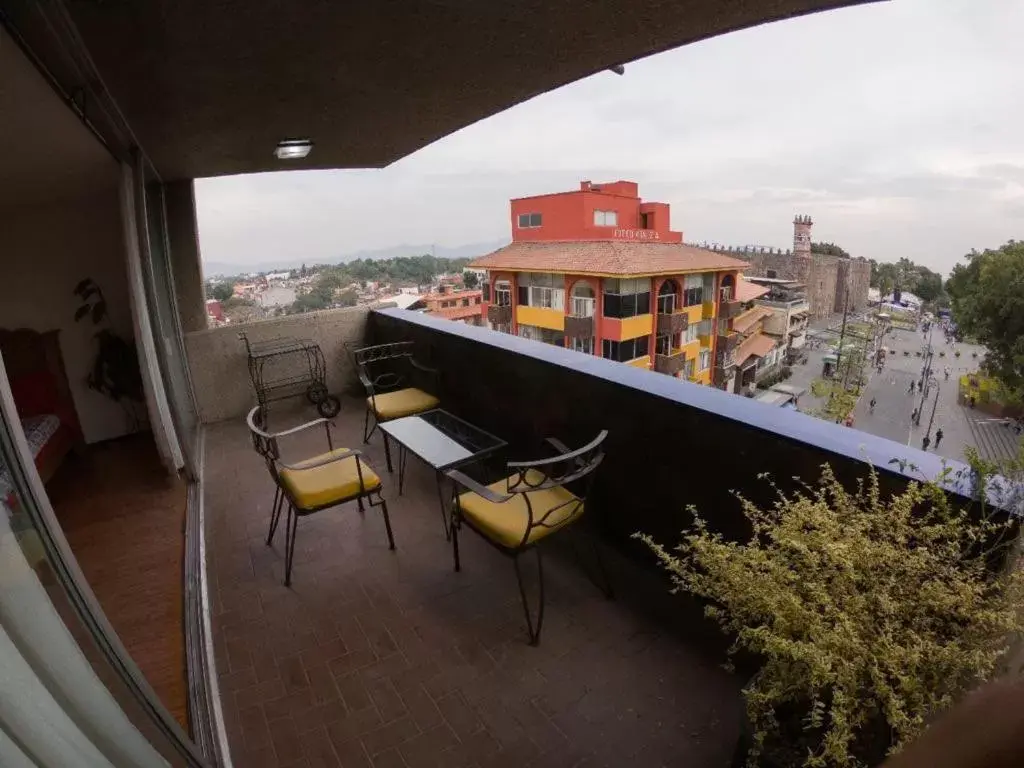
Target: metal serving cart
x,y
285,367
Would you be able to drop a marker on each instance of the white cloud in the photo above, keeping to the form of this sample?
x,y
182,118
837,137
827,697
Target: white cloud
x,y
895,125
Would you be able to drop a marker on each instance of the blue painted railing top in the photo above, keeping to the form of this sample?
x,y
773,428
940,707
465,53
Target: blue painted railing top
x,y
787,424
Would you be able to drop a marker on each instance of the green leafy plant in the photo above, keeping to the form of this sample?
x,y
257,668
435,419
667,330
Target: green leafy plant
x,y
864,615
115,369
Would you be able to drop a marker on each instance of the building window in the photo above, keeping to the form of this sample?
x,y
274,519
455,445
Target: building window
x,y
582,345
503,293
693,290
663,345
624,351
704,360
691,333
771,274
606,219
542,290
546,335
529,220
667,298
627,297
645,221
465,302
688,369
485,290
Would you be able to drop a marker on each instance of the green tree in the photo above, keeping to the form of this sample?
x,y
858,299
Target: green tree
x,y
988,303
347,298
829,249
221,291
470,279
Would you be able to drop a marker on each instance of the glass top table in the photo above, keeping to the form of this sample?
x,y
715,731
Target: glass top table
x,y
442,441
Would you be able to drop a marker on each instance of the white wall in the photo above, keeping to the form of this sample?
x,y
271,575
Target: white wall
x,y
44,251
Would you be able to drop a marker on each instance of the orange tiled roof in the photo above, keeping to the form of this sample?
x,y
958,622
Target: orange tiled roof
x,y
758,344
748,291
605,257
457,313
746,321
459,293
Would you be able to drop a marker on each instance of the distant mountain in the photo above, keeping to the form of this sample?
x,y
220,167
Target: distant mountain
x,y
469,250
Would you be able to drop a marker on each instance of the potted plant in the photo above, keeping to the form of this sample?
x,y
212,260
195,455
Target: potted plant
x,y
942,353
857,616
957,353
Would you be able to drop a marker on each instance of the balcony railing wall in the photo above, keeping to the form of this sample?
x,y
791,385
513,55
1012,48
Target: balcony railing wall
x,y
525,391
220,374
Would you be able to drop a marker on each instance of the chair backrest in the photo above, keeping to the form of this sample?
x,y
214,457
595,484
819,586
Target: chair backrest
x,y
263,442
376,365
556,472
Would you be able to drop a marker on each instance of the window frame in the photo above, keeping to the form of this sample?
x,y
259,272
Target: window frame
x,y
530,219
602,216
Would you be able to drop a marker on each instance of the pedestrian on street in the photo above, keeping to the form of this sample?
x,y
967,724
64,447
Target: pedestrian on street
x,y
925,443
871,405
920,386
938,437
911,390
913,416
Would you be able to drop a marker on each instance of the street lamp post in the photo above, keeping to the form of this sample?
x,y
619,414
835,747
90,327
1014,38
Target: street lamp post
x,y
931,420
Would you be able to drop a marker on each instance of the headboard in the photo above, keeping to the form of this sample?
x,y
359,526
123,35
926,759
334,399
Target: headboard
x,y
35,369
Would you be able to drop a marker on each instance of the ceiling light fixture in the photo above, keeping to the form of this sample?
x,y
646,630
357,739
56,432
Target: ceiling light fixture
x,y
293,149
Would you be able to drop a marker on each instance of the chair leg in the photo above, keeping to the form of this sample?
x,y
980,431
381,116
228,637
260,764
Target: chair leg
x,y
387,522
362,509
369,429
275,515
290,528
533,629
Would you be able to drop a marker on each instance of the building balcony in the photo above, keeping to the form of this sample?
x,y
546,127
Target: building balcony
x,y
499,314
671,364
672,323
579,327
730,309
727,343
373,654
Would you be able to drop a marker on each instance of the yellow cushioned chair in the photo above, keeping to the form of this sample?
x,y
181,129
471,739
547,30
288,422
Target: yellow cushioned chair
x,y
403,402
311,485
390,374
531,503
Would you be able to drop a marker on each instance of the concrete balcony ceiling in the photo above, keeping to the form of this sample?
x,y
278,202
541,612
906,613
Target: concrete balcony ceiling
x,y
210,88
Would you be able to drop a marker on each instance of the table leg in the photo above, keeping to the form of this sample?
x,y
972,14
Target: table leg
x,y
444,508
387,451
403,455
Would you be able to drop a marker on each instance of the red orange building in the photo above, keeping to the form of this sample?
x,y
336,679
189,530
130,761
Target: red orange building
x,y
600,271
454,304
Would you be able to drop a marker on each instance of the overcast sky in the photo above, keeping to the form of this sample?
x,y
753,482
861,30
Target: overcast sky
x,y
898,126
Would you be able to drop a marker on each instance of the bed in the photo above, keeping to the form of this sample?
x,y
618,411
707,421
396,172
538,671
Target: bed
x,y
42,396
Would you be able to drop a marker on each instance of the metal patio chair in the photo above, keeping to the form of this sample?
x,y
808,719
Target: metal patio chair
x,y
530,504
389,373
314,484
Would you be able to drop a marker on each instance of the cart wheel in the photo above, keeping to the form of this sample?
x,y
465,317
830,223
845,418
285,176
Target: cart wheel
x,y
329,406
316,393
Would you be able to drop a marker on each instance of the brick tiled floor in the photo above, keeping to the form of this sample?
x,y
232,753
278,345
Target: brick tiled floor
x,y
388,659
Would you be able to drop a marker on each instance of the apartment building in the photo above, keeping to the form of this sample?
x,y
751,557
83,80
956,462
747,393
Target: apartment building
x,y
600,271
453,304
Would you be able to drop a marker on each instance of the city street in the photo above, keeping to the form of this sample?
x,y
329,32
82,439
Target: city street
x,y
892,414
894,405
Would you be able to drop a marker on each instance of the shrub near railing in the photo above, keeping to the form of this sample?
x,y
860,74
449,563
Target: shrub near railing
x,y
864,616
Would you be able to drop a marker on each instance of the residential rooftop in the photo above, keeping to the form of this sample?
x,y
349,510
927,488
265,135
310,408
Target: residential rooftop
x,y
609,258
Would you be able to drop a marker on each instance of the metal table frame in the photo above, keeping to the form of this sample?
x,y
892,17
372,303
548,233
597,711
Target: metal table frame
x,y
440,470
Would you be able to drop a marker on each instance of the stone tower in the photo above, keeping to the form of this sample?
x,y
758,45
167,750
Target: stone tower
x,y
802,236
